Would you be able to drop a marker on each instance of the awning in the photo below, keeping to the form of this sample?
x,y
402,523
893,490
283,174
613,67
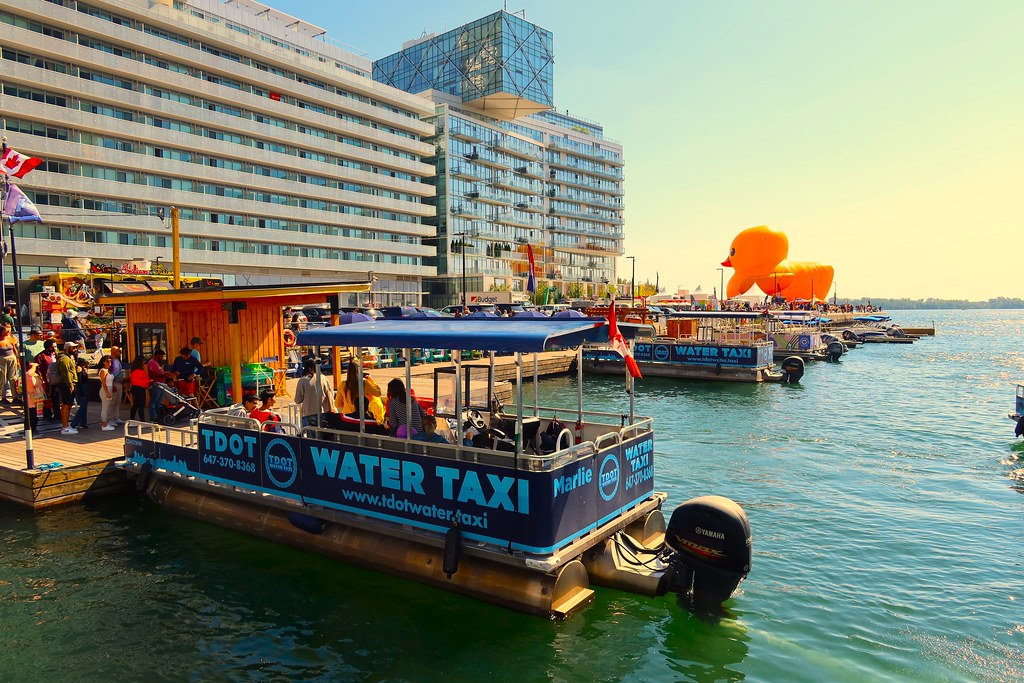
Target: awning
x,y
501,334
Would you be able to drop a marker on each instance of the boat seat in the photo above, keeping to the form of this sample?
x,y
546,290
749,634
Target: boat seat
x,y
507,425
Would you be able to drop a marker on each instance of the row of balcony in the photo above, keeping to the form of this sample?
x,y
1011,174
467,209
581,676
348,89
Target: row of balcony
x,y
584,150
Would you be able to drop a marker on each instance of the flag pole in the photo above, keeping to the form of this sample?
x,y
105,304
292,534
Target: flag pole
x,y
30,456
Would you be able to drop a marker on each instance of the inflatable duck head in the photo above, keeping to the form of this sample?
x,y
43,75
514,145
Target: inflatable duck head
x,y
754,253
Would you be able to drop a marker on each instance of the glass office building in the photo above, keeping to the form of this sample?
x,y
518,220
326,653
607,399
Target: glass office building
x,y
288,162
500,65
512,173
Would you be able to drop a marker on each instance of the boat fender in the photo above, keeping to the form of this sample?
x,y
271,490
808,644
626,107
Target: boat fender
x,y
711,544
792,369
718,368
452,550
289,339
145,474
307,523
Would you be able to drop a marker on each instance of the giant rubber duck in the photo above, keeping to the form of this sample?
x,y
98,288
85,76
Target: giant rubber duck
x,y
758,256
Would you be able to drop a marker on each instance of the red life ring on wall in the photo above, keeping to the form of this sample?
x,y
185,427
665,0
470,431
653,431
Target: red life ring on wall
x,y
289,339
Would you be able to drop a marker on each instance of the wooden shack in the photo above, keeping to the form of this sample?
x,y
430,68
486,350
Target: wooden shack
x,y
239,326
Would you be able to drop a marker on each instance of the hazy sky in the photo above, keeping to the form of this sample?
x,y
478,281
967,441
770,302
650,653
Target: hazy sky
x,y
884,137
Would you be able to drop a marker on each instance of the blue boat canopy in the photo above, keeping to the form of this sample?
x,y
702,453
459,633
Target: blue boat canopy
x,y
490,334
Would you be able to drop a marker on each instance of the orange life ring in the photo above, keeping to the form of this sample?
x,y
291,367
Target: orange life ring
x,y
289,339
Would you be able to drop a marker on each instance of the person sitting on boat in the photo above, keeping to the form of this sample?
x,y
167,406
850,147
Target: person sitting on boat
x,y
429,433
348,392
243,409
397,416
265,413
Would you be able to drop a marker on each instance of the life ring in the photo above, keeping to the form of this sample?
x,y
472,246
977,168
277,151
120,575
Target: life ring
x,y
289,339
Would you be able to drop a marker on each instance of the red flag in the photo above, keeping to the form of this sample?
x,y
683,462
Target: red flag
x,y
531,280
15,164
618,343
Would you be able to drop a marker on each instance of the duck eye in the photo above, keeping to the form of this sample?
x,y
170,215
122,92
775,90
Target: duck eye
x,y
732,252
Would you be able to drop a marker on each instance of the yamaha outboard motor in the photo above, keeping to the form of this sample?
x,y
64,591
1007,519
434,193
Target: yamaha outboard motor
x,y
850,335
835,351
792,369
710,537
1018,430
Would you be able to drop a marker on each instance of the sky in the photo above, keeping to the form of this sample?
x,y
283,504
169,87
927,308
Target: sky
x,y
884,138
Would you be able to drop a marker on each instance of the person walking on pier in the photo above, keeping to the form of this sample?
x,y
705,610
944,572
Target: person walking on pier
x,y
110,394
138,380
67,378
9,367
81,419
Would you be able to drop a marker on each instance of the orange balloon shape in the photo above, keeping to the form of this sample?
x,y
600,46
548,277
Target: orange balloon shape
x,y
754,254
798,280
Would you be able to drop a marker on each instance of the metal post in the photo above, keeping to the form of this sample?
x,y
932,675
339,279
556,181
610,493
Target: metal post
x,y
361,408
176,247
536,398
457,410
519,403
462,236
408,394
721,283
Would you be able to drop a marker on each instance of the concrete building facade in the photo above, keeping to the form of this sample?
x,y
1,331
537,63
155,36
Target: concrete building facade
x,y
287,161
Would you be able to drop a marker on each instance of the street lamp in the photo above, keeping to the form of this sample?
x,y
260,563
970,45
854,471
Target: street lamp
x,y
632,283
721,283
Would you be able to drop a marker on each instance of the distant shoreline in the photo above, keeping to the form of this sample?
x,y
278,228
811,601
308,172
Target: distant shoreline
x,y
937,304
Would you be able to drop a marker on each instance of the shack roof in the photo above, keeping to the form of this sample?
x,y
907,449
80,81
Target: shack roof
x,y
288,293
483,334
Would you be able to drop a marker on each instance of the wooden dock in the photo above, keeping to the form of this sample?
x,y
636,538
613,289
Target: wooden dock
x,y
86,460
86,463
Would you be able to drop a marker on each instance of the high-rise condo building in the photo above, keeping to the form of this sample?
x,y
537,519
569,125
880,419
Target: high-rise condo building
x,y
511,171
287,161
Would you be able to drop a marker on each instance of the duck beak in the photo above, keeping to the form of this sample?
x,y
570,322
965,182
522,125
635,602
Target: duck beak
x,y
727,263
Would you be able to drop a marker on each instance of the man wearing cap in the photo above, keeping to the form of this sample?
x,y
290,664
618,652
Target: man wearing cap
x,y
44,359
68,380
195,344
34,345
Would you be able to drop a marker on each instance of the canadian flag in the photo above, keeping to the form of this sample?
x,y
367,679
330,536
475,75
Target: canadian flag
x,y
618,343
16,164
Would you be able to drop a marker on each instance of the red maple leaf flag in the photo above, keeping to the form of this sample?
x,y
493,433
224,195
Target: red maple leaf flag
x,y
16,164
618,343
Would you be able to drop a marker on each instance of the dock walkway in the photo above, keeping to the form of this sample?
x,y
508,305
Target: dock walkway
x,y
73,467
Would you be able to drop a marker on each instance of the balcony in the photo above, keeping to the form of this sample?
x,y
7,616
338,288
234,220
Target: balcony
x,y
532,170
464,132
466,172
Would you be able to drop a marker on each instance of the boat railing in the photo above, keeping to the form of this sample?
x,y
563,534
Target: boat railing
x,y
487,456
221,419
186,437
642,426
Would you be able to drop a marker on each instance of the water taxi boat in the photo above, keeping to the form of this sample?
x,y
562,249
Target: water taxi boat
x,y
708,345
528,514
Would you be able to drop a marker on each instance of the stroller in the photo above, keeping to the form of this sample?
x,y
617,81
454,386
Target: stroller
x,y
174,406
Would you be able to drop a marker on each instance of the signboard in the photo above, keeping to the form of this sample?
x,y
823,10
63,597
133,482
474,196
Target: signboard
x,y
704,354
537,511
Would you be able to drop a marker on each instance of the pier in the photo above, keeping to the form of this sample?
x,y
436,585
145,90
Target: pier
x,y
86,460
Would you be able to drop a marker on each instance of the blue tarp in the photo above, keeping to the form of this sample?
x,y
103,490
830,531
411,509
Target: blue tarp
x,y
501,334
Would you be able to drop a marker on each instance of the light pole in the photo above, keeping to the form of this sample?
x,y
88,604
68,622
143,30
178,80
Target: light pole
x,y
721,283
632,283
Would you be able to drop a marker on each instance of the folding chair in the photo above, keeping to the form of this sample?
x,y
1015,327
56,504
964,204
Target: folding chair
x,y
204,389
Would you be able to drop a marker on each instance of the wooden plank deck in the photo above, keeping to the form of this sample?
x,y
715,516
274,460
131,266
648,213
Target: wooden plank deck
x,y
86,463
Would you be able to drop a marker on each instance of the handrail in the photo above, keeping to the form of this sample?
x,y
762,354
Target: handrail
x,y
616,436
645,424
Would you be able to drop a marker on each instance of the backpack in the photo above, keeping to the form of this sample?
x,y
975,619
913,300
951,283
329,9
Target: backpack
x,y
53,374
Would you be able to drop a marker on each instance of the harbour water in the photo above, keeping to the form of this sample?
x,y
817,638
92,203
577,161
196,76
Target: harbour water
x,y
885,495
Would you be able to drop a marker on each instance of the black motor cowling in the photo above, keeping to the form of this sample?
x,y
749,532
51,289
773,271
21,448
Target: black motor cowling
x,y
792,369
710,537
835,351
